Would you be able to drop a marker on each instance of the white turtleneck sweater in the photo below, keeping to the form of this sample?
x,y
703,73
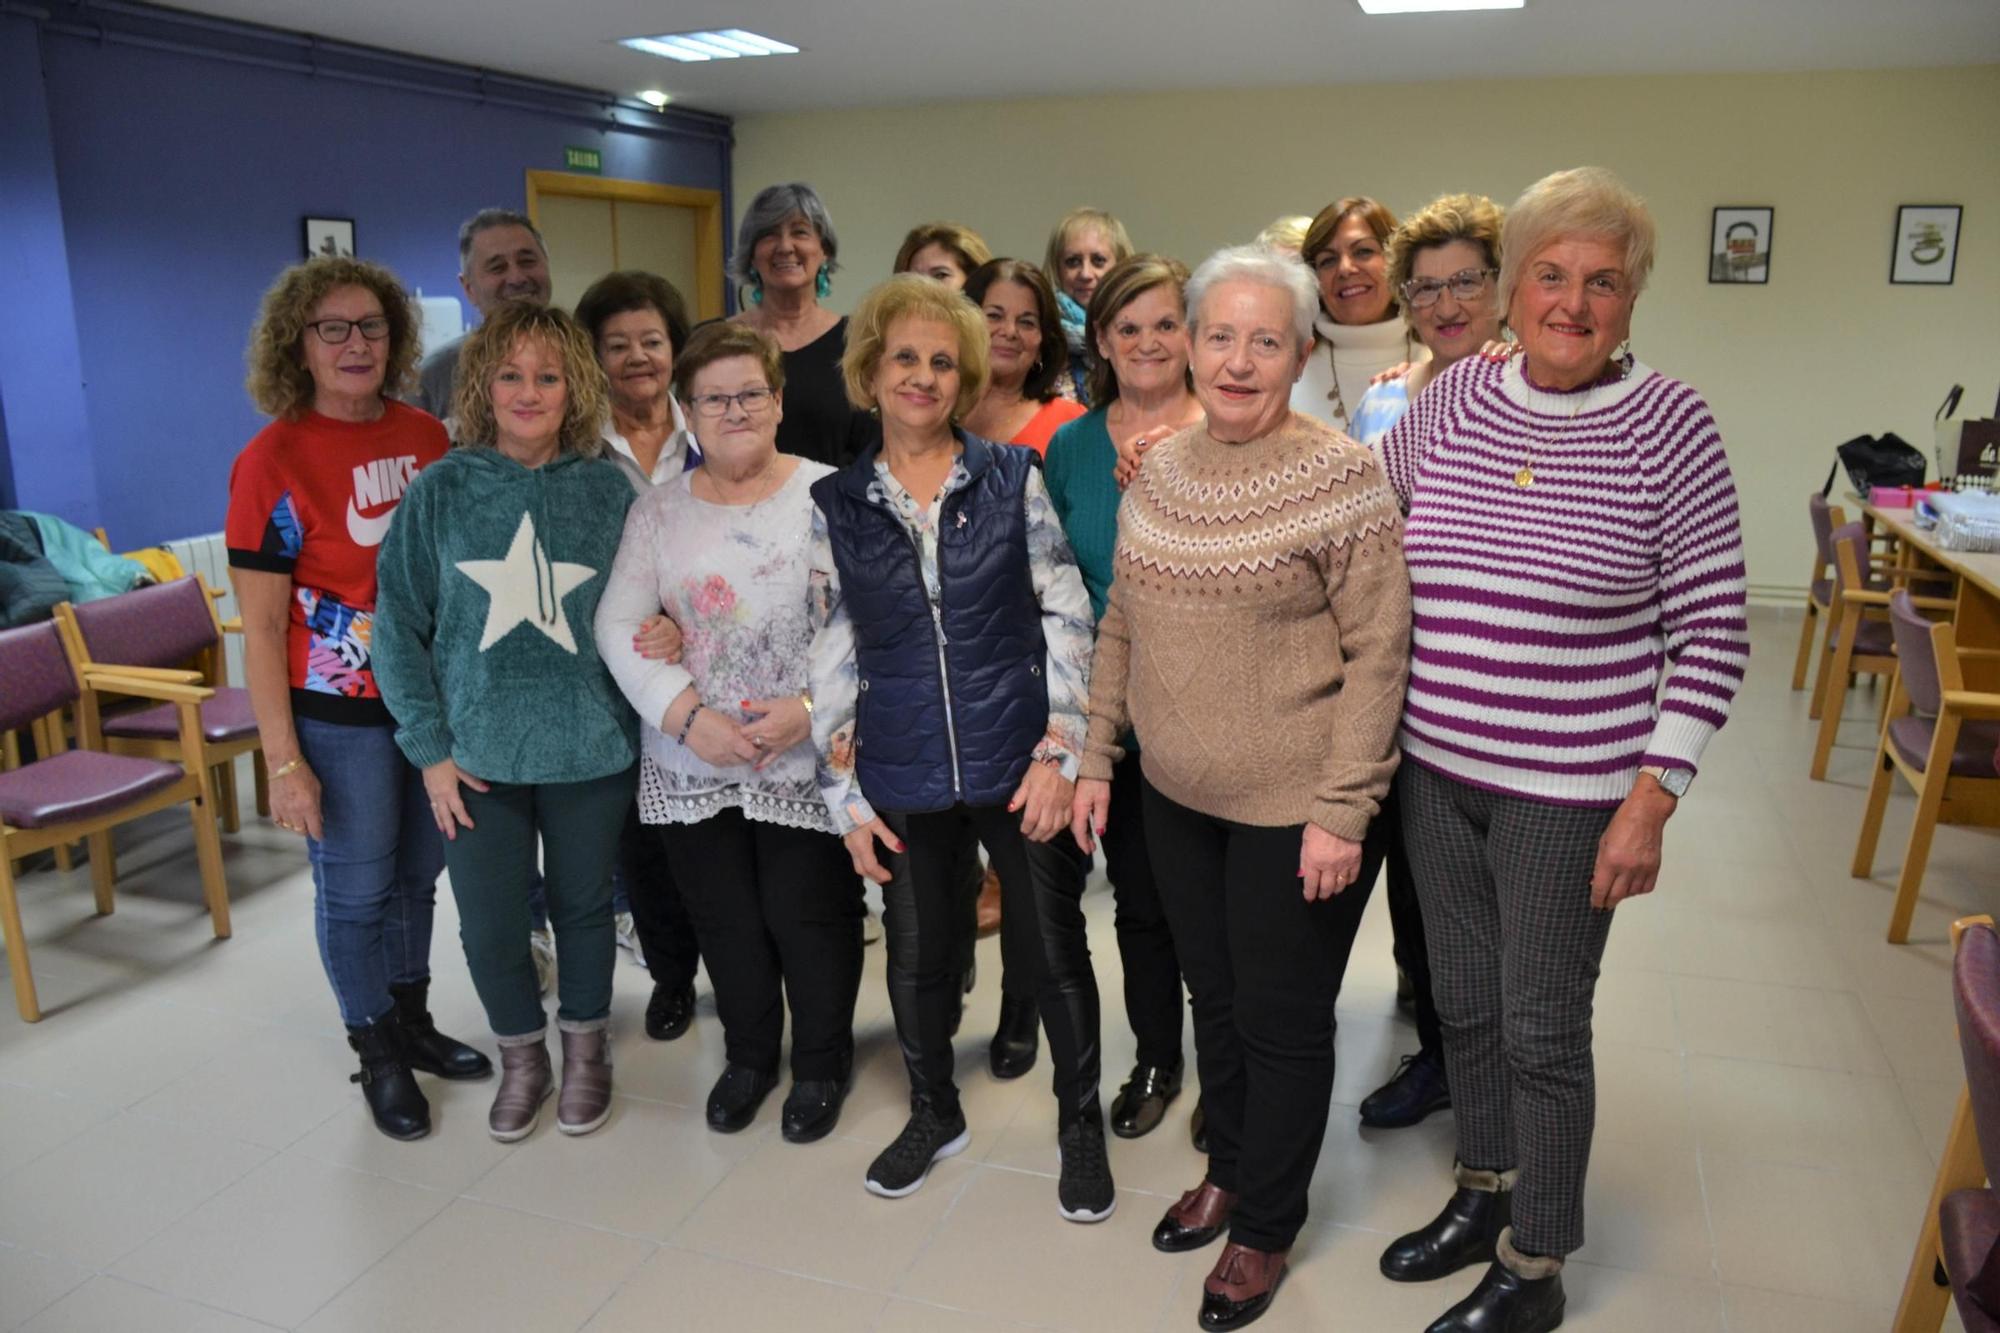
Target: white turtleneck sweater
x,y
1344,358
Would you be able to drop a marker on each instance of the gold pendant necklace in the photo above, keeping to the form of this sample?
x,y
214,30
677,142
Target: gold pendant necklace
x,y
1526,476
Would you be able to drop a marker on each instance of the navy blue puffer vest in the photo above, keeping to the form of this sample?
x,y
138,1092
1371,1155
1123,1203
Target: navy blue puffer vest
x,y
952,704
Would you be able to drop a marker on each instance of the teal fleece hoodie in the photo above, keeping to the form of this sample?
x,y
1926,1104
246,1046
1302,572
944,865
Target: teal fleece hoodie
x,y
487,588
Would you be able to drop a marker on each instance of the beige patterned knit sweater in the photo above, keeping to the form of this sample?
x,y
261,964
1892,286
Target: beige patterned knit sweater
x,y
1258,631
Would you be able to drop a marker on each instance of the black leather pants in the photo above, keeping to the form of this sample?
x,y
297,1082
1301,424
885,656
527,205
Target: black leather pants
x,y
1042,888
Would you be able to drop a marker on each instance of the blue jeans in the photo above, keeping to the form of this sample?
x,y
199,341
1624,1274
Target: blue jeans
x,y
375,868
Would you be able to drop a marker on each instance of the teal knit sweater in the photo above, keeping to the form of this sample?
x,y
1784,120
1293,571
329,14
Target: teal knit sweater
x,y
487,588
1079,467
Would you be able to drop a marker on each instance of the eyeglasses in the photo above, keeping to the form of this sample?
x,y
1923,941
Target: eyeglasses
x,y
337,331
1465,285
715,406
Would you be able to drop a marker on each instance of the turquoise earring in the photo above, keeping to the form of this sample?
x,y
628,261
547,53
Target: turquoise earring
x,y
823,284
756,288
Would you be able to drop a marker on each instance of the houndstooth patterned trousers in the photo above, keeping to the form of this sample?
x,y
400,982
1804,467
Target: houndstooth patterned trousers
x,y
1504,882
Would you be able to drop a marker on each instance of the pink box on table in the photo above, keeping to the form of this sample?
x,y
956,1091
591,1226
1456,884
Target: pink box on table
x,y
1893,497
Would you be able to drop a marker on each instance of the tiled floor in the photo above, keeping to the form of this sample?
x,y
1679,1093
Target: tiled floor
x,y
180,1149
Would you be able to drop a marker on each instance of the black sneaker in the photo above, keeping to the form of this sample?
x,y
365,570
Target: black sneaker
x,y
929,1138
1085,1193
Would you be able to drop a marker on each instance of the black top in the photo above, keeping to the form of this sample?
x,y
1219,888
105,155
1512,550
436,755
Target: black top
x,y
820,423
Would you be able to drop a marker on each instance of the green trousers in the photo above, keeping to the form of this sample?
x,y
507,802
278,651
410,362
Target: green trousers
x,y
492,868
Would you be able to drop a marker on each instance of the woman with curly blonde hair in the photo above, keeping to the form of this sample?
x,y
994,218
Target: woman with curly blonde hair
x,y
490,579
309,501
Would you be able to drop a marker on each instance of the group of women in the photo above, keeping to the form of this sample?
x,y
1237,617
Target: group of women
x,y
1260,575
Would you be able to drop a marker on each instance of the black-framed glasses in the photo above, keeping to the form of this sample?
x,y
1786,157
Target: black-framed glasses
x,y
715,406
337,331
1464,285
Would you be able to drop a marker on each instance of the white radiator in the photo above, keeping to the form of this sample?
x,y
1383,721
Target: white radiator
x,y
206,556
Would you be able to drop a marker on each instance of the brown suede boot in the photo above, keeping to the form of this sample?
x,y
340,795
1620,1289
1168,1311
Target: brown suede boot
x,y
525,1083
586,1081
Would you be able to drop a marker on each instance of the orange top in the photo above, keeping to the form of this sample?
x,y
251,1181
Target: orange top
x,y
1041,427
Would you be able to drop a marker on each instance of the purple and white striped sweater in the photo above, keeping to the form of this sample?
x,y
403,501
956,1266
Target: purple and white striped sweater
x,y
1542,616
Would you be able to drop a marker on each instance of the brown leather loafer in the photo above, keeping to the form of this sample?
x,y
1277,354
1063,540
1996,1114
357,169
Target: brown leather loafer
x,y
1196,1220
1240,1286
988,910
585,1102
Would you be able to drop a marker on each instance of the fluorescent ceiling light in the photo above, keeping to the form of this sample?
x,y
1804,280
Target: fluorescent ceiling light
x,y
655,99
1433,6
727,44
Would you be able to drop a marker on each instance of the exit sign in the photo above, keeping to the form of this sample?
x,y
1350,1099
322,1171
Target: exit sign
x,y
583,159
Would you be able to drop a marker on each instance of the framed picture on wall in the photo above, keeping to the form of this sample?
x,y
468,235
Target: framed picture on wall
x,y
1739,245
330,236
1925,249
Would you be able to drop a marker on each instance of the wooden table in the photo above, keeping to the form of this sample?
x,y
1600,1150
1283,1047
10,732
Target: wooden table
x,y
1976,618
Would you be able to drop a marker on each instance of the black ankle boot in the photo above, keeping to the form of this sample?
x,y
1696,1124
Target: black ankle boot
x,y
386,1081
428,1050
1506,1302
1464,1234
1017,1040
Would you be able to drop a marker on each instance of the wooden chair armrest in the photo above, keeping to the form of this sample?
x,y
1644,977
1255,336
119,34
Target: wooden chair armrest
x,y
1968,704
1965,923
233,625
1867,598
172,675
215,594
1978,653
170,692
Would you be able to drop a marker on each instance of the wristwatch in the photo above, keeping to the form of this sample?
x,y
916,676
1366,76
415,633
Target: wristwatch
x,y
1675,781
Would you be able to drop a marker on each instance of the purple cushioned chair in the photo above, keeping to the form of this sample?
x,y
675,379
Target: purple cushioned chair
x,y
1969,1219
1942,738
86,792
1819,585
160,629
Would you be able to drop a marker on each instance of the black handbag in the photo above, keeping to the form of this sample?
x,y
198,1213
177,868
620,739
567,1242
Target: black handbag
x,y
1876,460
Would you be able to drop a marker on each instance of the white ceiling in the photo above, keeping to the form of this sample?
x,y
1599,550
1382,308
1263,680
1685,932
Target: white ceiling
x,y
873,52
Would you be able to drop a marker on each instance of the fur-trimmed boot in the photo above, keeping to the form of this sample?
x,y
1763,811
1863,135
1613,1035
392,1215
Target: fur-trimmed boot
x,y
1521,1293
1460,1236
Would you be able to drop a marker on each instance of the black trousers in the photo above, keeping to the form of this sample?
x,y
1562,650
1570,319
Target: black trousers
x,y
1017,971
1406,920
659,916
1041,884
779,910
1153,999
1264,967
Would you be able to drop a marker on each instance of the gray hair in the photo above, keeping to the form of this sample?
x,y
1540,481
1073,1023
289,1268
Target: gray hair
x,y
486,219
1266,266
768,211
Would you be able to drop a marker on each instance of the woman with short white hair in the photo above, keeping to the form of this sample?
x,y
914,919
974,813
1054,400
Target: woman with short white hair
x,y
1256,640
1577,583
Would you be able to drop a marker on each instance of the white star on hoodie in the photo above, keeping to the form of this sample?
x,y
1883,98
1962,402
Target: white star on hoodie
x,y
525,586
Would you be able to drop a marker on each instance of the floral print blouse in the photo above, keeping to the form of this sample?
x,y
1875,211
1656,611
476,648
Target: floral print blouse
x,y
1067,628
734,578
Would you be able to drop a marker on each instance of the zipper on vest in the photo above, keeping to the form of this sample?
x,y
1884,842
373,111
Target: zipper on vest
x,y
944,671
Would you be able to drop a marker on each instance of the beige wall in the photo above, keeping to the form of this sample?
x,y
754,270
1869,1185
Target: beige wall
x,y
1826,350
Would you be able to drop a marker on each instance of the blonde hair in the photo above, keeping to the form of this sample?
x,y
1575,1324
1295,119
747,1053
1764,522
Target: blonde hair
x,y
1074,221
488,347
1582,201
1286,233
279,383
1124,284
913,296
1447,218
965,244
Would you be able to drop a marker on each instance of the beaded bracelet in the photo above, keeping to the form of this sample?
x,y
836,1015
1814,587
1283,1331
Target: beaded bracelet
x,y
687,725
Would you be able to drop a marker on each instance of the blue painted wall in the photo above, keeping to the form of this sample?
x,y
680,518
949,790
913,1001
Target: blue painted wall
x,y
183,179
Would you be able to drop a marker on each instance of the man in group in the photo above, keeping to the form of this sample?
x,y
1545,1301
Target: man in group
x,y
501,258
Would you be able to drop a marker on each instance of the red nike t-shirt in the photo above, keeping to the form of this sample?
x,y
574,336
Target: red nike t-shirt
x,y
312,499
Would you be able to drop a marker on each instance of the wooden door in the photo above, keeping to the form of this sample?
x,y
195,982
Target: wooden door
x,y
593,226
